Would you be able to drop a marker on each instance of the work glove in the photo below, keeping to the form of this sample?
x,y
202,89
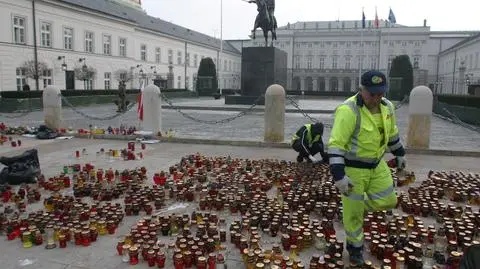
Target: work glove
x,y
401,162
344,185
313,159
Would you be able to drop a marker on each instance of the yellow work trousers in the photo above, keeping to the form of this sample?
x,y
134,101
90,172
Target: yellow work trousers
x,y
372,191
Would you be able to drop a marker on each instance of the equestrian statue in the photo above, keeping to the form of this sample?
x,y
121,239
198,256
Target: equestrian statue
x,y
265,19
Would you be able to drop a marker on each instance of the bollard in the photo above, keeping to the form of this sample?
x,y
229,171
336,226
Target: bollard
x,y
52,107
274,114
152,109
420,114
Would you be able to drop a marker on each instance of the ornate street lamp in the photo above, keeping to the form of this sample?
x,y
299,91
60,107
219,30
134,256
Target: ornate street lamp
x,y
64,65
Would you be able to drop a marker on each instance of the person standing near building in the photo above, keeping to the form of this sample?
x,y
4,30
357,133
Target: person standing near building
x,y
364,128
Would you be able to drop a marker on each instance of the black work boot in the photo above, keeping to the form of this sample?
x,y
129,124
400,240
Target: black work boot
x,y
299,158
356,256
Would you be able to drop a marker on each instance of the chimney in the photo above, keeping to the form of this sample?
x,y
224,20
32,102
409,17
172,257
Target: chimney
x,y
425,23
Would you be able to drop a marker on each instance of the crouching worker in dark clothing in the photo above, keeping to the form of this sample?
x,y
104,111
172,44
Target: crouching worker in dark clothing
x,y
307,141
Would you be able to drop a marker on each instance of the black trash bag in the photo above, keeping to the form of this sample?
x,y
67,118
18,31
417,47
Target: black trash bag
x,y
471,258
20,169
44,132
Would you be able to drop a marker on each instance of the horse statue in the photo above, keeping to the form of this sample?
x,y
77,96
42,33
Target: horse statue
x,y
265,19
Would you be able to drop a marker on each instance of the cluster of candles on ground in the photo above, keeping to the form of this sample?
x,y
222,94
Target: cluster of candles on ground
x,y
65,220
14,143
272,211
127,154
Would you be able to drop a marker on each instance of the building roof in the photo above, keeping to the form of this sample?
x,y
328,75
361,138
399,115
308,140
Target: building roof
x,y
346,24
461,43
145,21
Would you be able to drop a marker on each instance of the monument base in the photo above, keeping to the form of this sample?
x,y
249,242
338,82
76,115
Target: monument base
x,y
243,100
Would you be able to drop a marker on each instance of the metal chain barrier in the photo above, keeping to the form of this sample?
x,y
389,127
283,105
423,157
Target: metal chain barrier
x,y
305,114
455,119
222,121
21,113
90,117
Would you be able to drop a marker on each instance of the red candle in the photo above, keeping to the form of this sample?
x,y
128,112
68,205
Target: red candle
x,y
133,253
77,154
161,259
86,238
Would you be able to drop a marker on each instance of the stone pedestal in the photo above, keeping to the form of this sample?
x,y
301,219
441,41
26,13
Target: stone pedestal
x,y
261,67
420,114
52,107
274,114
152,109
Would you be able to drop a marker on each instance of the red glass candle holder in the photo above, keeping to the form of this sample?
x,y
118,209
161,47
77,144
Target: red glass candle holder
x,y
133,253
151,259
86,238
62,241
120,247
161,259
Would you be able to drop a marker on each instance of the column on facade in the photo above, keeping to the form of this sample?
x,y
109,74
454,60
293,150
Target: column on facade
x,y
302,84
340,84
327,83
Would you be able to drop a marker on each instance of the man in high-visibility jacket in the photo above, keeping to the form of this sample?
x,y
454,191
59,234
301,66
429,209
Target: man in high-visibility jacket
x,y
307,141
364,128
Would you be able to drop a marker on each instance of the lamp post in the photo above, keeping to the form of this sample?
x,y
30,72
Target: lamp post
x,y
64,65
84,71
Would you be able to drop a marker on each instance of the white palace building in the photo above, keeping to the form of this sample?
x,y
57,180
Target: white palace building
x,y
112,35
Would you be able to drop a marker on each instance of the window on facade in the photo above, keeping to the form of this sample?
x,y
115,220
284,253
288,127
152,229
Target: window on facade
x,y
334,62
187,82
122,47
47,78
195,60
230,66
89,42
335,44
158,55
297,61
347,63
390,59
107,45
106,79
187,59
21,78
349,44
309,62
170,56
225,65
19,30
404,44
89,84
417,43
322,62
143,52
179,57
123,76
68,38
46,34
390,43
179,82
373,63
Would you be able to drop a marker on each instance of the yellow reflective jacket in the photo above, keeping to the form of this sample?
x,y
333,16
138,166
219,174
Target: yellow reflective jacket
x,y
309,138
355,139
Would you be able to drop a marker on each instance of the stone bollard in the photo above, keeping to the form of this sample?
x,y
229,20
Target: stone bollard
x,y
152,109
52,107
420,114
274,114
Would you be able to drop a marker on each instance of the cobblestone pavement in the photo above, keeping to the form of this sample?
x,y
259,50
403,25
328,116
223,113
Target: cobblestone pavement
x,y
444,134
55,153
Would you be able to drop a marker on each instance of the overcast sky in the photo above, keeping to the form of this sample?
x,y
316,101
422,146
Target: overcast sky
x,y
238,16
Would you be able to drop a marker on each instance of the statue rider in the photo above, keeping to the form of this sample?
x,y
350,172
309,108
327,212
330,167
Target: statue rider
x,y
270,8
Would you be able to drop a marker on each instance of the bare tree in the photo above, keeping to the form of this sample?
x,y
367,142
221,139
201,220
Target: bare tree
x,y
29,67
123,75
85,73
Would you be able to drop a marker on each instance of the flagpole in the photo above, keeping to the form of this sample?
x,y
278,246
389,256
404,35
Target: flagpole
x,y
221,49
360,70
